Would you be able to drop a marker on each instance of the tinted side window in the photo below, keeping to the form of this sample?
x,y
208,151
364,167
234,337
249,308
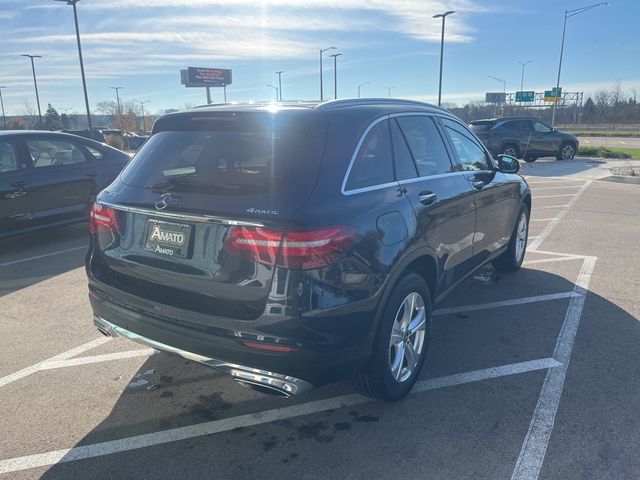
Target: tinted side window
x,y
96,153
54,153
426,145
405,167
372,165
541,127
470,155
8,157
521,126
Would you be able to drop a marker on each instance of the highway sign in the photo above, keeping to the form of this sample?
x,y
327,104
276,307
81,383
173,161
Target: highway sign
x,y
525,96
553,95
495,97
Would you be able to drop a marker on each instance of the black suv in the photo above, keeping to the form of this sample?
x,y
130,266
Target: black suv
x,y
524,137
290,245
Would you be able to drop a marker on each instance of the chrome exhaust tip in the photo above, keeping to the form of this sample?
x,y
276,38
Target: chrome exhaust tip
x,y
262,388
102,327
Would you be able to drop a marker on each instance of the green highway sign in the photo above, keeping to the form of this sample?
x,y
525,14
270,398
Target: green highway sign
x,y
553,95
525,96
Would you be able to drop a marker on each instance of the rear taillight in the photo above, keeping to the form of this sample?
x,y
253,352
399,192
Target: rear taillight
x,y
102,219
298,249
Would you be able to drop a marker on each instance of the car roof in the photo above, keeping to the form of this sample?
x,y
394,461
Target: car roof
x,y
502,119
360,103
38,132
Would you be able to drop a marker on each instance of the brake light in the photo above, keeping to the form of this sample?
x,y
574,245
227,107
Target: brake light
x,y
298,249
102,219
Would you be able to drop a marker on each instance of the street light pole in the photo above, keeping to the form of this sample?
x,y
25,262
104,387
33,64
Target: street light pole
x,y
144,123
280,72
504,89
35,84
84,80
362,85
443,16
335,75
4,118
321,89
275,88
117,89
389,91
522,77
568,14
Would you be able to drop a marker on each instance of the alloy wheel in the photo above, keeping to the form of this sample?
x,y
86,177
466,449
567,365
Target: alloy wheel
x,y
407,337
521,236
567,152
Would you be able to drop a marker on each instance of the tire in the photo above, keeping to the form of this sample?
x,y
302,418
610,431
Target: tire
x,y
388,376
530,159
511,149
567,152
512,258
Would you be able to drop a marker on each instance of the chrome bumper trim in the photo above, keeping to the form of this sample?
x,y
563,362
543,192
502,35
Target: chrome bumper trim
x,y
283,384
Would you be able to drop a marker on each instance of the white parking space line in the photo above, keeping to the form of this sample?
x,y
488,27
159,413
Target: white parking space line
x,y
538,207
74,362
552,224
63,356
557,254
44,255
548,260
505,303
536,441
478,375
556,188
252,419
555,196
531,179
540,219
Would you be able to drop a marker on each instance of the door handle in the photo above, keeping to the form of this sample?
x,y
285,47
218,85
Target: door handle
x,y
477,184
19,184
427,198
91,174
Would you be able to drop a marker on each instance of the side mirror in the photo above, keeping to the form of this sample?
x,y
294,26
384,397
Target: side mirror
x,y
508,164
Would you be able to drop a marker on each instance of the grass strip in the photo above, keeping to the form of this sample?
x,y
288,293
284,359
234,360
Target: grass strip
x,y
607,152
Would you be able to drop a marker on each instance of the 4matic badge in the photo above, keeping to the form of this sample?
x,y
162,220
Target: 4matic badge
x,y
260,211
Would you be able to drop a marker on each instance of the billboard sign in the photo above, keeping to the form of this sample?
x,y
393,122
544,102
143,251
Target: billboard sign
x,y
495,97
207,77
525,96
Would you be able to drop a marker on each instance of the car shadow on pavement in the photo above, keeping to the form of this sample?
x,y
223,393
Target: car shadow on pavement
x,y
33,257
552,168
467,431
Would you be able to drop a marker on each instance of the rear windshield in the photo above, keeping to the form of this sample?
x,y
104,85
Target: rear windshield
x,y
223,154
481,127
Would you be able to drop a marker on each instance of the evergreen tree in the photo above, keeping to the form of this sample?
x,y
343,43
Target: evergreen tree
x,y
52,119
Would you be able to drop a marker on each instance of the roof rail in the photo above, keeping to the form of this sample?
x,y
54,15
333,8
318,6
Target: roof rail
x,y
348,102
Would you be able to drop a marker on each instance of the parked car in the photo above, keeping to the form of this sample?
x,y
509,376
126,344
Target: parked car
x,y
524,137
133,141
95,134
293,245
51,178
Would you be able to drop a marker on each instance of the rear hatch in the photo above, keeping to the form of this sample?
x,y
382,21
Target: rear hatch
x,y
180,225
481,128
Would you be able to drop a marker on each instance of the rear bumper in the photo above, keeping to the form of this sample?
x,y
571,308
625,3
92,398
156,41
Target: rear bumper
x,y
272,382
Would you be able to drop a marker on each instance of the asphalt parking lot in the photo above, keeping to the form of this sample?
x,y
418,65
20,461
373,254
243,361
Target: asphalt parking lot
x,y
529,375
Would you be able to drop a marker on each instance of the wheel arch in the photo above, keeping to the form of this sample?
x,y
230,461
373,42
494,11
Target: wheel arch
x,y
421,261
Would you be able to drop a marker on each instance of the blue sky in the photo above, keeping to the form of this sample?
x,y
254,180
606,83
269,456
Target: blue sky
x,y
142,44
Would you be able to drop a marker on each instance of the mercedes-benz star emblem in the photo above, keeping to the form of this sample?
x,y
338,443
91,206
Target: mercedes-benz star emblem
x,y
164,201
